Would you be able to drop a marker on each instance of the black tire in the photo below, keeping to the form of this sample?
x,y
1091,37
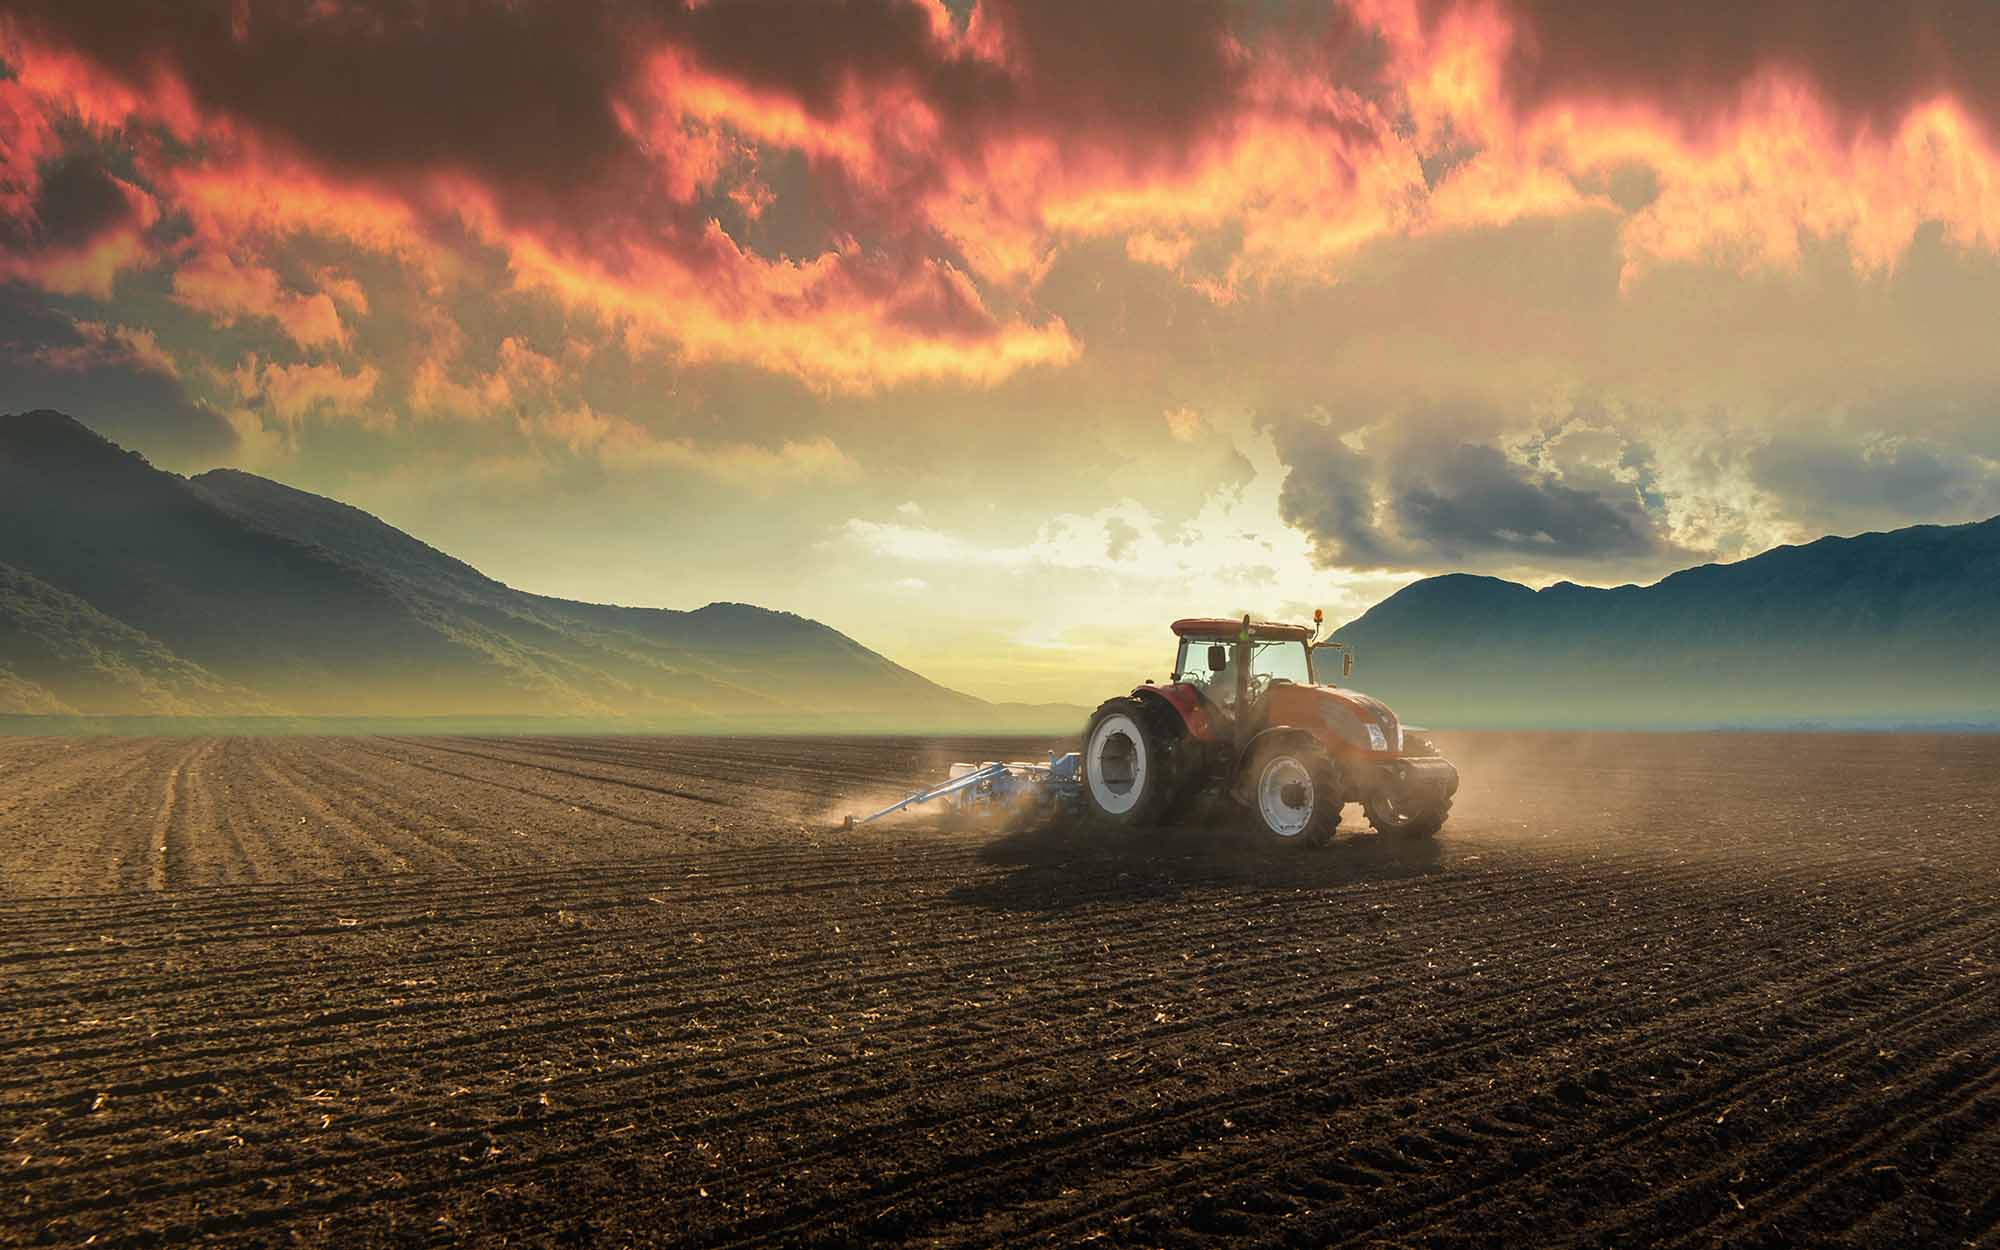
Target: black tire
x,y
1129,774
1416,821
1295,793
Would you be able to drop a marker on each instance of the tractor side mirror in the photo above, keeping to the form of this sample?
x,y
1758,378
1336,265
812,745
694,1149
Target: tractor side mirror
x,y
1347,664
1218,657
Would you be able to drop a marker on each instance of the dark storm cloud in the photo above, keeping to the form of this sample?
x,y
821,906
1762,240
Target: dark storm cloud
x,y
77,230
1329,495
525,95
1422,496
1467,500
1845,481
811,52
1148,72
508,91
77,202
1132,67
597,146
1872,61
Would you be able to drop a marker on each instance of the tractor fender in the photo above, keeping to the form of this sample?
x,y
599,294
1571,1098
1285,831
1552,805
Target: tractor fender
x,y
1241,782
1183,703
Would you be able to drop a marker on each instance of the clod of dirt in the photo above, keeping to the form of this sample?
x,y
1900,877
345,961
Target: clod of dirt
x,y
1571,1092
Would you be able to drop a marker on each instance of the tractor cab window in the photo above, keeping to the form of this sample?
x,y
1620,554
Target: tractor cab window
x,y
1283,661
1191,665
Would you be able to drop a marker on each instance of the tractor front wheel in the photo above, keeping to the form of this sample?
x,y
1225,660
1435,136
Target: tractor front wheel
x,y
1295,791
1128,774
1418,819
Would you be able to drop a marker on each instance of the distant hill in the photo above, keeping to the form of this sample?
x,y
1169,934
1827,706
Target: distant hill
x,y
59,655
1899,628
125,589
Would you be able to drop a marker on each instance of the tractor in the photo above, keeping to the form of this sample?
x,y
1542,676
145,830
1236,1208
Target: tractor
x,y
1252,713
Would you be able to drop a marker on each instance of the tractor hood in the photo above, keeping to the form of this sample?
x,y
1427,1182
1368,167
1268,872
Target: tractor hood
x,y
1353,715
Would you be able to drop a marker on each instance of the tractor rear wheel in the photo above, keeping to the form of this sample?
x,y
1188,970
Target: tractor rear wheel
x,y
1414,820
1128,763
1295,791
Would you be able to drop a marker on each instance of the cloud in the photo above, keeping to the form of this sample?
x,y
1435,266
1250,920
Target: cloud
x,y
624,445
1413,491
619,158
1859,478
1467,501
1753,130
293,392
77,229
1872,63
215,285
1121,537
434,392
840,321
561,170
1184,425
1329,495
100,345
27,140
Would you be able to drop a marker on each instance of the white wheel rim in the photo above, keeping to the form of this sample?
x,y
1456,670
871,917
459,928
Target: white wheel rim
x,y
1281,817
1116,764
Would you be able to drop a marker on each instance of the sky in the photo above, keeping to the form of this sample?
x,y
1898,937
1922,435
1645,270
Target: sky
x,y
999,335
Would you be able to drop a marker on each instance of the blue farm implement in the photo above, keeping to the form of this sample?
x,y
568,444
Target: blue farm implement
x,y
995,792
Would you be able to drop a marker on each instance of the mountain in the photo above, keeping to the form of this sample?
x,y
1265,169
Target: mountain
x,y
60,655
1879,629
127,589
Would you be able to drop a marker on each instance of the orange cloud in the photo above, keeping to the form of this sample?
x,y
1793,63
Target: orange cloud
x,y
936,167
621,443
105,344
215,285
520,374
26,141
255,197
81,226
1764,156
294,392
829,320
435,393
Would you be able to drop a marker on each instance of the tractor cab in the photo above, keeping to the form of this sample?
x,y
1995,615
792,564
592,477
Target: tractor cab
x,y
1217,658
1235,666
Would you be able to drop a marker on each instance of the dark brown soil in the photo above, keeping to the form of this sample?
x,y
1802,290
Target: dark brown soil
x,y
1644,990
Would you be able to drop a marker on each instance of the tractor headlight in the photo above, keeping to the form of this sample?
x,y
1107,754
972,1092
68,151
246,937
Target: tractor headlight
x,y
1417,742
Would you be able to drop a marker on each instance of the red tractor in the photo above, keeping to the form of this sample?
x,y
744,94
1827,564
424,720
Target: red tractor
x,y
1250,714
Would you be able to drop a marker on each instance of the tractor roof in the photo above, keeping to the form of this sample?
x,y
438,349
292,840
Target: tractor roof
x,y
1222,629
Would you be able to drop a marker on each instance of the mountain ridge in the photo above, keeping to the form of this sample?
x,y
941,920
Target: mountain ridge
x,y
298,604
1885,627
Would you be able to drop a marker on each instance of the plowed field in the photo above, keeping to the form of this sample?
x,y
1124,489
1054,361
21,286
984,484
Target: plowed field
x,y
1644,990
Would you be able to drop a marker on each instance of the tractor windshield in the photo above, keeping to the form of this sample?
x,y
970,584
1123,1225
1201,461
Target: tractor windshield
x,y
1280,660
1284,661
